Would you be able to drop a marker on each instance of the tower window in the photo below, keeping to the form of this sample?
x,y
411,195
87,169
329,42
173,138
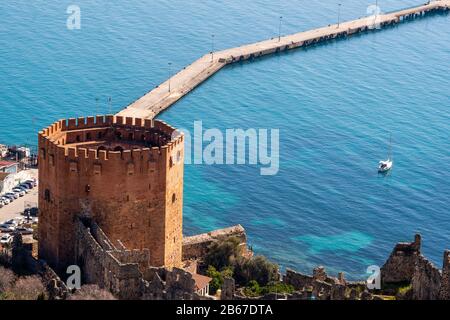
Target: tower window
x,y
88,188
47,195
88,136
174,198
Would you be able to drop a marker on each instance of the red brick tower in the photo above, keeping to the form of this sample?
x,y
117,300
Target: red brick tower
x,y
125,173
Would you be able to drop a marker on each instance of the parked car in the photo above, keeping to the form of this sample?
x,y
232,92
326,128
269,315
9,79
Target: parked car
x,y
13,222
12,194
32,212
7,228
20,192
23,188
33,183
27,185
10,197
24,230
6,239
5,200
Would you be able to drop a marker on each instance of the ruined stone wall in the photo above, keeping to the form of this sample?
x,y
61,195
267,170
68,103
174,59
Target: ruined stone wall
x,y
400,266
444,292
195,247
100,236
426,280
319,285
298,280
100,267
56,288
135,195
139,257
126,273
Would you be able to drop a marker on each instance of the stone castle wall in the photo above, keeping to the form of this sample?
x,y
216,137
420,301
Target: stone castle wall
x,y
426,281
406,265
196,246
101,267
400,266
134,193
128,274
444,292
320,285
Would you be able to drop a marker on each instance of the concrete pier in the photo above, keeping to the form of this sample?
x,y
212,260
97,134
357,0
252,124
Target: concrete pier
x,y
160,98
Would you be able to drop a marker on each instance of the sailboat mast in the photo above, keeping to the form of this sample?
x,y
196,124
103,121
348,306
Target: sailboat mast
x,y
390,147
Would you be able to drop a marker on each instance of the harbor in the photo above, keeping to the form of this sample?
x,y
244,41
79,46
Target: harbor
x,y
179,85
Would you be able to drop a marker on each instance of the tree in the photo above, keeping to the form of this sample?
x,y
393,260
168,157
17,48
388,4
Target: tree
x,y
218,277
253,289
18,262
217,280
91,292
28,288
222,254
257,268
7,279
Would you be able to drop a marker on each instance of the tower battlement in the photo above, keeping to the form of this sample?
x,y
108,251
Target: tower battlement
x,y
124,173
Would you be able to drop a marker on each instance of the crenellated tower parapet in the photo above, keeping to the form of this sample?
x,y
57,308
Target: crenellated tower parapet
x,y
125,173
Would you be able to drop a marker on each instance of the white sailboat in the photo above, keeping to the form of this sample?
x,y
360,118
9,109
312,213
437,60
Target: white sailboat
x,y
386,165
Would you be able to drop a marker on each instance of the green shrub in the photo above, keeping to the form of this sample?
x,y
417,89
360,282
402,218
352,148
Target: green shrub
x,y
217,280
277,287
257,268
222,254
218,277
252,289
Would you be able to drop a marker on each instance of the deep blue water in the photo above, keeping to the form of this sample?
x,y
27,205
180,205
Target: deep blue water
x,y
334,104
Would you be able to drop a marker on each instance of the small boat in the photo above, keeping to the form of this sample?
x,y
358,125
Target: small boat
x,y
386,165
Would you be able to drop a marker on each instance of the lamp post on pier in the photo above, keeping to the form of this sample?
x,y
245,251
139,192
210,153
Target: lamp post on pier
x,y
212,47
110,105
339,15
170,73
279,29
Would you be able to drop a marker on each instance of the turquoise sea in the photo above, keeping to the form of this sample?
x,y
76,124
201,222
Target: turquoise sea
x,y
335,105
